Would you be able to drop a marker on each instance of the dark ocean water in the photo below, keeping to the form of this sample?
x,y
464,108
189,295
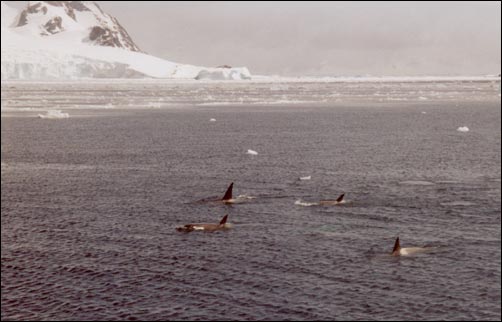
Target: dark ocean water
x,y
89,204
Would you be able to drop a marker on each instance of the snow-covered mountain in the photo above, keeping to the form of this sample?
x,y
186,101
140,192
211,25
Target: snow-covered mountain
x,y
83,19
76,39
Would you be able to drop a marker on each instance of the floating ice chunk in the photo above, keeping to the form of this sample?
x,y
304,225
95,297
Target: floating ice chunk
x,y
463,129
306,178
54,114
279,87
154,104
224,74
216,103
212,120
282,101
252,152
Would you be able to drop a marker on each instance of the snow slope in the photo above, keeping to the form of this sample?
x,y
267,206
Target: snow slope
x,y
75,39
8,15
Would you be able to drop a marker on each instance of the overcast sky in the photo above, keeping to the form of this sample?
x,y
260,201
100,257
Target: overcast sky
x,y
320,38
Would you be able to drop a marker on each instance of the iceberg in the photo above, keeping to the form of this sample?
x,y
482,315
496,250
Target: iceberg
x,y
54,114
241,73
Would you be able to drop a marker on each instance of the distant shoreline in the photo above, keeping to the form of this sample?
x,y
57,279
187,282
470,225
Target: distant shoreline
x,y
272,79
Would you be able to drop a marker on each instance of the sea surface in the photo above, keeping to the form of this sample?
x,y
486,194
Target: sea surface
x,y
96,175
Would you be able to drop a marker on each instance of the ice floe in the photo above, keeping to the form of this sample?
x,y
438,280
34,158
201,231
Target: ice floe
x,y
54,114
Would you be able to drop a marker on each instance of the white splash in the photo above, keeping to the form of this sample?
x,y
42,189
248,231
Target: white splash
x,y
245,197
252,152
411,250
417,183
463,129
212,120
457,203
299,202
54,114
423,112
306,178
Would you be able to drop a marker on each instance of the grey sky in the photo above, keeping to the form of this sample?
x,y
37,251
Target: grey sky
x,y
321,38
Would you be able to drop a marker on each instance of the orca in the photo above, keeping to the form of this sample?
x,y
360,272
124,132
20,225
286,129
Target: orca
x,y
227,198
338,201
205,227
404,251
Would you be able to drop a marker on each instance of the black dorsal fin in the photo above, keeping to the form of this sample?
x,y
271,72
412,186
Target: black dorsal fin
x,y
340,198
397,247
228,194
223,220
